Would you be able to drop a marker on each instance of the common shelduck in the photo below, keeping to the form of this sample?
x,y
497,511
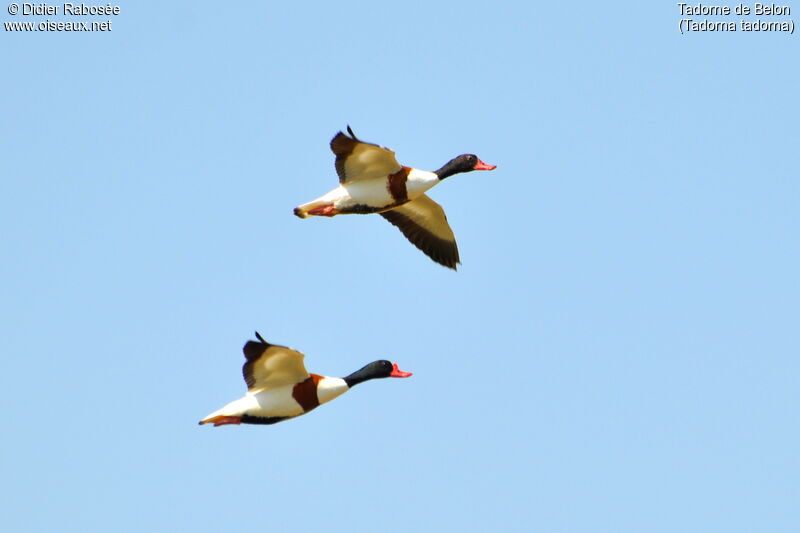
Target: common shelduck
x,y
372,181
279,387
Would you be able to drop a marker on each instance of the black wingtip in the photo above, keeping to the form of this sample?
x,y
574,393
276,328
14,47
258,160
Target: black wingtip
x,y
350,131
259,337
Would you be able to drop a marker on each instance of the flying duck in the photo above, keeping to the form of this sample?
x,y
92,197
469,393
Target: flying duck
x,y
372,181
279,387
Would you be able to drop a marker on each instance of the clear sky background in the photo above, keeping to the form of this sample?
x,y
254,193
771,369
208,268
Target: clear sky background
x,y
617,353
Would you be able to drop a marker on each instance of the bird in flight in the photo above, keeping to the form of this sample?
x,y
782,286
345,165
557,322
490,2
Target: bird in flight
x,y
372,181
279,387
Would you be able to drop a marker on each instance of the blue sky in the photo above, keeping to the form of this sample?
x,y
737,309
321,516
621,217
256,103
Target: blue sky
x,y
617,353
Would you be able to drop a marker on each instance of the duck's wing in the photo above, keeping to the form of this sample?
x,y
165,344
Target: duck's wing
x,y
269,366
424,223
357,160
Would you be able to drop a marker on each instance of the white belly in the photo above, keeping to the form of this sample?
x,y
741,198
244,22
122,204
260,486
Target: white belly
x,y
274,402
373,193
369,196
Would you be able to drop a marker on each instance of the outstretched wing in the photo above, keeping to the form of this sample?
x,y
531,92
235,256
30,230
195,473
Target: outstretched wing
x,y
424,223
270,366
357,160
